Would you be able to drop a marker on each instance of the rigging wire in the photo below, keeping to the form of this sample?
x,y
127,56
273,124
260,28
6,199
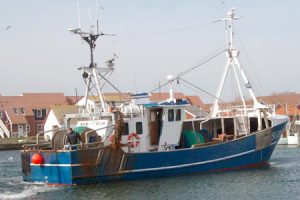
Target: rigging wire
x,y
209,57
102,86
93,86
203,91
256,84
166,30
205,60
142,35
260,88
113,86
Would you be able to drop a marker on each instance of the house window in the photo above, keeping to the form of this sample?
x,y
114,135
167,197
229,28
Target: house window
x,y
139,127
39,113
170,115
22,110
178,115
125,129
39,128
28,128
19,111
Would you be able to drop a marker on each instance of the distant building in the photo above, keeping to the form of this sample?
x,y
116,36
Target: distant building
x,y
113,99
287,103
25,115
55,118
30,113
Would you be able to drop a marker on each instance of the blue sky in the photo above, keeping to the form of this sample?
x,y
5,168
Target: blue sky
x,y
153,39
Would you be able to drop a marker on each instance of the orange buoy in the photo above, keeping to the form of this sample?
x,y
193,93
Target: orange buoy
x,y
37,158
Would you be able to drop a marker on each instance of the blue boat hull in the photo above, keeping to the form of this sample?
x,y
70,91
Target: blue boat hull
x,y
98,165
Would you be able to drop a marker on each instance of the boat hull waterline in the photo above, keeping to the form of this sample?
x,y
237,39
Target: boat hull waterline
x,y
104,164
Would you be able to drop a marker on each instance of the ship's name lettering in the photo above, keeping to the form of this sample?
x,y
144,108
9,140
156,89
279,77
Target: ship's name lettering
x,y
275,135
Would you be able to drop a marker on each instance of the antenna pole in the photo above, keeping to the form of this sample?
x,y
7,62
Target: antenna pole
x,y
170,80
91,39
92,71
97,7
78,15
232,55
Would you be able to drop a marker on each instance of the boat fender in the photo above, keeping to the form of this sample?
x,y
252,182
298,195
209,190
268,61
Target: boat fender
x,y
133,139
37,158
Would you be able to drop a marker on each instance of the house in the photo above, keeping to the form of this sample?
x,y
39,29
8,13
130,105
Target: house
x,y
30,113
287,103
196,109
162,96
55,118
24,115
111,98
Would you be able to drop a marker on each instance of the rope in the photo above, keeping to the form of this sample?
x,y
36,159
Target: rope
x,y
202,90
58,140
142,35
260,89
206,59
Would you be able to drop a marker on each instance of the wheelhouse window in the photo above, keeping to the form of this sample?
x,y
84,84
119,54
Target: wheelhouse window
x,y
139,127
171,115
178,114
125,129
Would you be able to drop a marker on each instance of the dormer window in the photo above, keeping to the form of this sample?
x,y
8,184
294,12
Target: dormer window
x,y
39,113
19,111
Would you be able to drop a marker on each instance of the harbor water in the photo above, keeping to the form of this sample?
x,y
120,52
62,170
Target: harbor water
x,y
279,180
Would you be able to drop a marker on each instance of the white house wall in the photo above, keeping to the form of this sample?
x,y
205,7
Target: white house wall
x,y
50,122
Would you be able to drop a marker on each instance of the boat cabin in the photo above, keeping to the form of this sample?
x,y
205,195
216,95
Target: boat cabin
x,y
157,126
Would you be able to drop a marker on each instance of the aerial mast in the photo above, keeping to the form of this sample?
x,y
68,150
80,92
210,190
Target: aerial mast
x,y
233,62
92,71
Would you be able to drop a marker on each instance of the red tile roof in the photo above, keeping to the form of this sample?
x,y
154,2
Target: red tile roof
x,y
287,98
195,100
291,110
165,96
29,101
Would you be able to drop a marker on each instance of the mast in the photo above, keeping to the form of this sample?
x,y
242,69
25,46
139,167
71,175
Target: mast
x,y
232,61
92,72
170,80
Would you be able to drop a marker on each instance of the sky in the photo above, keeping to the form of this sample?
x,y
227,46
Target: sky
x,y
152,39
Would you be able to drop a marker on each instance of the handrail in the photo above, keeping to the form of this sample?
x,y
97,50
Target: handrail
x,y
69,147
87,133
38,134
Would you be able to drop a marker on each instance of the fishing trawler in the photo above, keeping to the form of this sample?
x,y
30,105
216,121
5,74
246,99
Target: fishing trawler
x,y
154,139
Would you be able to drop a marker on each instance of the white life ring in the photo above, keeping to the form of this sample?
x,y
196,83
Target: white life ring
x,y
133,140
